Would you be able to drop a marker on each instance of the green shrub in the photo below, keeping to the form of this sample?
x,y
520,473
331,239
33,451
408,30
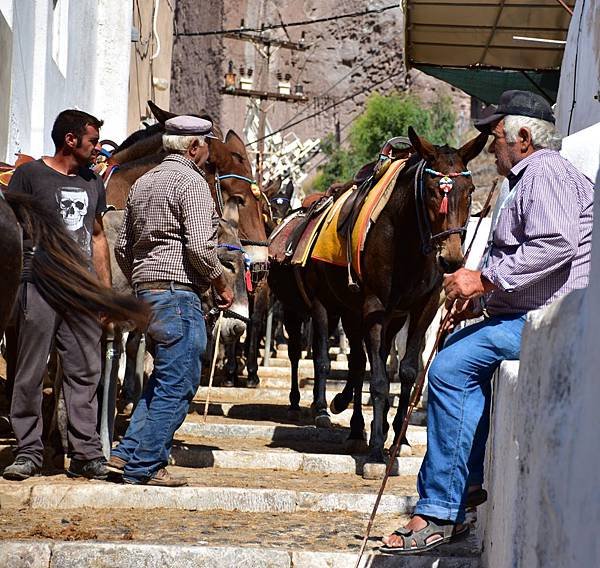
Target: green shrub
x,y
384,117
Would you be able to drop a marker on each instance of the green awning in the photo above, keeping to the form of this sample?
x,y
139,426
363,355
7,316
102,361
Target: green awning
x,y
487,84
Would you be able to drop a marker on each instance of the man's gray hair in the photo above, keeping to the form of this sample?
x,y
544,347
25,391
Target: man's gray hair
x,y
179,144
543,133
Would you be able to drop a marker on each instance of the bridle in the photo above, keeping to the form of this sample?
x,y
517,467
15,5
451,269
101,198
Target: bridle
x,y
257,270
429,240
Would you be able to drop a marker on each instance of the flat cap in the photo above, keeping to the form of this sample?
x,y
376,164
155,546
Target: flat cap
x,y
521,103
185,125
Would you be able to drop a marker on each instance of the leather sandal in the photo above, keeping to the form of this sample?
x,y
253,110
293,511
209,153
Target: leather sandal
x,y
447,532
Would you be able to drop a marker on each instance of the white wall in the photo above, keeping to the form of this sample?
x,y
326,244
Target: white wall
x,y
580,71
544,447
91,73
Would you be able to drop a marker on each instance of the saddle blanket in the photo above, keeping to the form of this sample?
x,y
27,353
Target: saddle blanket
x,y
330,246
285,245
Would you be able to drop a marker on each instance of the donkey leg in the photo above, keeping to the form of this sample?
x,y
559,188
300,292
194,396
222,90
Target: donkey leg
x,y
379,387
259,311
321,363
293,325
230,364
357,361
420,319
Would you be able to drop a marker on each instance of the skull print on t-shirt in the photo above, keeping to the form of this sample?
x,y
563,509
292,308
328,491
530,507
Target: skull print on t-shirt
x,y
73,202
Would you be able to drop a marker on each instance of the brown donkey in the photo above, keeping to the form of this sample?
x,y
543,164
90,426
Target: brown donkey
x,y
416,239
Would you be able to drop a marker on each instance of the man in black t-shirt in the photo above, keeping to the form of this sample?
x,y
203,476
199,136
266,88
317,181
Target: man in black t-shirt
x,y
65,186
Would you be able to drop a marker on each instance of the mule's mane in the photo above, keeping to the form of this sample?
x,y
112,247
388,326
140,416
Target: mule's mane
x,y
138,136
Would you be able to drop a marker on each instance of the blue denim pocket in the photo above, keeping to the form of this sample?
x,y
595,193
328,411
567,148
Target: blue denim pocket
x,y
166,325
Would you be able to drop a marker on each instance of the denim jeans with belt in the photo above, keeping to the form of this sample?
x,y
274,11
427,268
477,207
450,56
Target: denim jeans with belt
x,y
177,335
458,412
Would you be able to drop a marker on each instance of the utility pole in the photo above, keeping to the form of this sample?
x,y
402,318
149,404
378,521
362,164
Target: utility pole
x,y
262,94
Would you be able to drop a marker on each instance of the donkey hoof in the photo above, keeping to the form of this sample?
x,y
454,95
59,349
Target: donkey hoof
x,y
253,383
228,383
337,404
322,421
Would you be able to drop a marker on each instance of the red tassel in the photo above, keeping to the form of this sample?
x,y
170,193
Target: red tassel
x,y
444,205
248,279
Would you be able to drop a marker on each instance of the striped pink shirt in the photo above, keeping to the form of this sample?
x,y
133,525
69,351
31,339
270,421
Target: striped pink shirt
x,y
541,244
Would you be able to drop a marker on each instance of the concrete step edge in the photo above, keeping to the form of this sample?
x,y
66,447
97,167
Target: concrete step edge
x,y
251,500
58,554
192,456
417,436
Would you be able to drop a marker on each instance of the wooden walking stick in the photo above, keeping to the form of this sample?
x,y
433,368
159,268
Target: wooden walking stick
x,y
417,391
214,362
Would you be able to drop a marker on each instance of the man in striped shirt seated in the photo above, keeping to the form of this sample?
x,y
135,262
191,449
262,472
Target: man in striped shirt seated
x,y
539,251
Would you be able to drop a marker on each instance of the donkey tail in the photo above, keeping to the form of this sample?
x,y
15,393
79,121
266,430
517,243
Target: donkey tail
x,y
58,269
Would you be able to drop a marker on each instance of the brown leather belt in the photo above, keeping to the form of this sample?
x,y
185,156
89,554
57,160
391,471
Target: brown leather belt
x,y
164,285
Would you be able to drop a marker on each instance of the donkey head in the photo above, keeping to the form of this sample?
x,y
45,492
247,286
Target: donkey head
x,y
446,194
230,162
231,256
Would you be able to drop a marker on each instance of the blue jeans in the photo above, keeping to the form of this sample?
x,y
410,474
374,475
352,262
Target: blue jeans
x,y
458,412
177,334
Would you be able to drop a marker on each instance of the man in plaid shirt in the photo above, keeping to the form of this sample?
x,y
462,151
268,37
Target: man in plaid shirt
x,y
167,251
540,251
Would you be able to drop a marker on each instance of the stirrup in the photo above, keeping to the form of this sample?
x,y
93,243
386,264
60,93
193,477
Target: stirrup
x,y
352,284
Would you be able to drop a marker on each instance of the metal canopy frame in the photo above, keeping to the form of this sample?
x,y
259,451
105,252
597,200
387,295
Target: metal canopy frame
x,y
462,40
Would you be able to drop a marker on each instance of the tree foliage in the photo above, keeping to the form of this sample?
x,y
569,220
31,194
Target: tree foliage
x,y
384,117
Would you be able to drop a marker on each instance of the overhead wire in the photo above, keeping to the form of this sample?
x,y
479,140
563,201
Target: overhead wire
x,y
291,24
314,114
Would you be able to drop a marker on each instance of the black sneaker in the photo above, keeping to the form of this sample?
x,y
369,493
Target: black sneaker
x,y
22,468
92,469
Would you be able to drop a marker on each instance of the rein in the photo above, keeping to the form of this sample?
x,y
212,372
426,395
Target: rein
x,y
429,240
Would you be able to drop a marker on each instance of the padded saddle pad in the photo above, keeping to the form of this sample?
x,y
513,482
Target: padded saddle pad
x,y
330,246
278,241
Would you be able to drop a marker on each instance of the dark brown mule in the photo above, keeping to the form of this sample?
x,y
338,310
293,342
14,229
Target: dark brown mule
x,y
405,255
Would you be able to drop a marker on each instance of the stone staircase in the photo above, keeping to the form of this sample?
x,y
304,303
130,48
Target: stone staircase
x,y
264,491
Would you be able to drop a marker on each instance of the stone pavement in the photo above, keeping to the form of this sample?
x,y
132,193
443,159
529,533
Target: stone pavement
x,y
265,491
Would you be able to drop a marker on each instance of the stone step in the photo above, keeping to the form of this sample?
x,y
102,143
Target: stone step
x,y
194,426
119,538
279,413
198,456
232,394
212,490
334,385
284,362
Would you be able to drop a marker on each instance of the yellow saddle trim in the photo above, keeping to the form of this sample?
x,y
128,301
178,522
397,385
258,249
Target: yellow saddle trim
x,y
330,246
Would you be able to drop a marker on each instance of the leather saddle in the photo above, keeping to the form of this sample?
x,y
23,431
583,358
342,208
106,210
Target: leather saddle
x,y
394,149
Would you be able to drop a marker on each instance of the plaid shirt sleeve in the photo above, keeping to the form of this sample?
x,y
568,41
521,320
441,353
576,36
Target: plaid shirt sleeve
x,y
124,244
200,224
549,208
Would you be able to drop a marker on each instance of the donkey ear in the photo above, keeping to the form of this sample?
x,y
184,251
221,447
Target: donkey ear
x,y
161,115
231,213
289,189
473,147
273,187
235,143
424,148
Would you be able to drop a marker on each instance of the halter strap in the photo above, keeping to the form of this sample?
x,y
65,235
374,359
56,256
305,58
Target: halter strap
x,y
429,241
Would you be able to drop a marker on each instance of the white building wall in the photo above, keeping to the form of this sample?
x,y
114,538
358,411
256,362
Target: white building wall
x,y
544,448
578,104
79,60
